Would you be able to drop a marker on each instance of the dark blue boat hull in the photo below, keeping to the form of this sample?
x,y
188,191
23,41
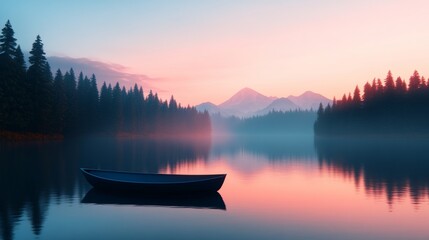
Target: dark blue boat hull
x,y
207,183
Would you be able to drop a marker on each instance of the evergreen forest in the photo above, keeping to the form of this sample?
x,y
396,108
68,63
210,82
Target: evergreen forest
x,y
34,100
389,107
275,123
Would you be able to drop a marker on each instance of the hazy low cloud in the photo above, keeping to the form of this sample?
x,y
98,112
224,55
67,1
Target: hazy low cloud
x,y
105,72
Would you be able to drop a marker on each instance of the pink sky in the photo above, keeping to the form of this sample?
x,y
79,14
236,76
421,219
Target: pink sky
x,y
207,51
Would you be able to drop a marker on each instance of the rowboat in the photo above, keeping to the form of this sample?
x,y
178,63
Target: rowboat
x,y
199,200
151,182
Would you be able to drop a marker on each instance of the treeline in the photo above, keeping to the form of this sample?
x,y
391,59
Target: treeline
x,y
275,123
32,100
389,107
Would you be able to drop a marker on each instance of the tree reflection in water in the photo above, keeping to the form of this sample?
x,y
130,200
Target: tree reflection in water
x,y
391,167
34,174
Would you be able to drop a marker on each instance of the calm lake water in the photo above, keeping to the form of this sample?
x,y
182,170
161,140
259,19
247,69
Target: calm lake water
x,y
276,188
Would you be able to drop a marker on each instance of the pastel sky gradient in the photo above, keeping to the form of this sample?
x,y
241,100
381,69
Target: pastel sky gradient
x,y
207,50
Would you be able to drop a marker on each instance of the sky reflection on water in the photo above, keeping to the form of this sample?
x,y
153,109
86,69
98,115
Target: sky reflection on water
x,y
275,188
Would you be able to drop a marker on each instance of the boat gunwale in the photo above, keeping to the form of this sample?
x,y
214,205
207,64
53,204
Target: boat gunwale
x,y
212,176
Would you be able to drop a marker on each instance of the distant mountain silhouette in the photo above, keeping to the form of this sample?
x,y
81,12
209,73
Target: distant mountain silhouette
x,y
209,107
245,103
281,104
248,102
309,100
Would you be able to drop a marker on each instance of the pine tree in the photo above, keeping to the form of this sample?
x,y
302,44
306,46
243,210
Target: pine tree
x,y
172,105
344,100
423,84
93,104
40,88
8,41
320,111
367,92
389,83
37,58
70,118
59,103
125,104
19,60
328,109
374,86
401,87
21,117
356,97
140,106
414,83
106,107
11,83
380,87
83,88
117,107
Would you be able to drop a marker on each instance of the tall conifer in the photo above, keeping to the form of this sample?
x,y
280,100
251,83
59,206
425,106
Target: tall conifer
x,y
40,88
8,41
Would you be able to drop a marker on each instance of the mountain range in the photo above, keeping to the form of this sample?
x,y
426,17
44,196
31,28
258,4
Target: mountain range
x,y
248,102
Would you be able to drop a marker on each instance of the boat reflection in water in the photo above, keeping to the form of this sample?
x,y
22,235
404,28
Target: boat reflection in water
x,y
204,200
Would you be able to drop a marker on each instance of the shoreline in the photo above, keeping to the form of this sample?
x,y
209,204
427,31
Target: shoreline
x,y
29,136
9,136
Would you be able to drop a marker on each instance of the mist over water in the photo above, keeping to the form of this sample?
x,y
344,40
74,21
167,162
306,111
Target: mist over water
x,y
277,187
